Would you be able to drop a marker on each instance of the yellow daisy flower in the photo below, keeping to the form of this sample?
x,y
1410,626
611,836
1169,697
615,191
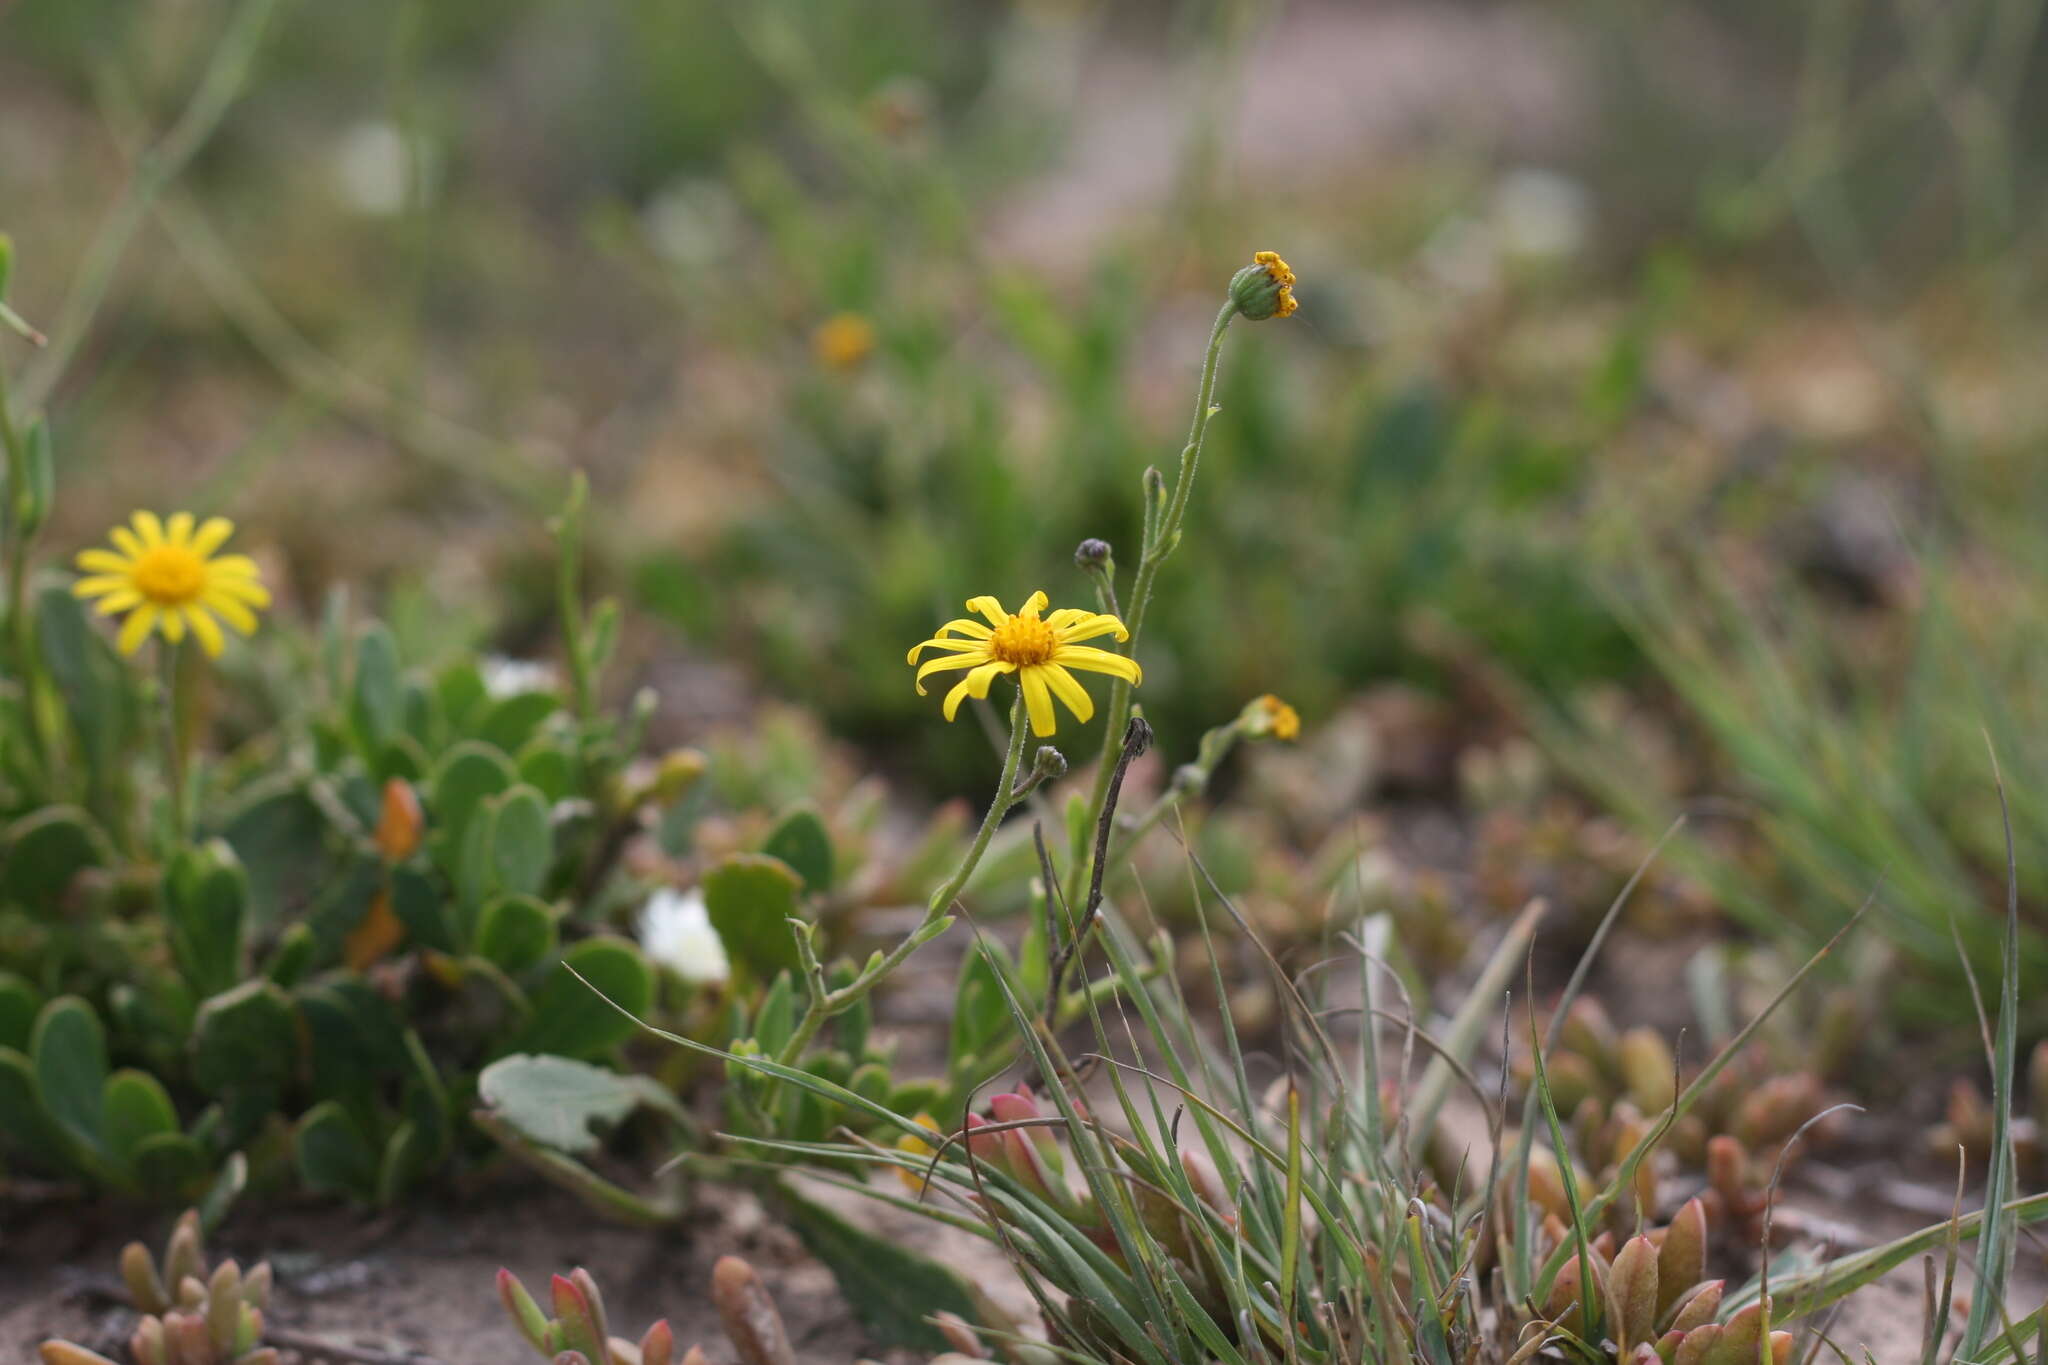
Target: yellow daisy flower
x,y
167,578
1038,651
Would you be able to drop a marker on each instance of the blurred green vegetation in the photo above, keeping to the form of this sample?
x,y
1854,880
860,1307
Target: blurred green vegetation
x,y
1548,395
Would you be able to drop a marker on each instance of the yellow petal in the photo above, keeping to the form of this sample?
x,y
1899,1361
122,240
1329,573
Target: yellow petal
x,y
989,607
149,528
1098,661
213,532
103,561
205,630
975,684
1038,702
98,584
1033,604
136,628
179,529
951,661
955,645
233,612
119,600
961,625
238,566
1086,626
125,540
237,589
1069,690
174,624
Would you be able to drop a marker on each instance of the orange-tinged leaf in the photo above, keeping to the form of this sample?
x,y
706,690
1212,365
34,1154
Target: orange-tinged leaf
x,y
401,821
376,935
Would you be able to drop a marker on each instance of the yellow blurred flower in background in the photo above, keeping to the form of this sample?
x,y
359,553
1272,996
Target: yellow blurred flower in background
x,y
166,577
1268,716
843,341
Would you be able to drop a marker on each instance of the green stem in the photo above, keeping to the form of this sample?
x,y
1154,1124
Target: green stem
x,y
824,1006
227,74
174,751
1160,541
20,643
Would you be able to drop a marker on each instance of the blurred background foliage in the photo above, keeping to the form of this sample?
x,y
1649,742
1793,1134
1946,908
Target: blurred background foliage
x,y
1664,387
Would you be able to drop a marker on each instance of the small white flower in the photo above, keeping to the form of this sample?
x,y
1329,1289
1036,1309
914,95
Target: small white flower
x,y
1541,215
511,677
676,932
692,223
371,167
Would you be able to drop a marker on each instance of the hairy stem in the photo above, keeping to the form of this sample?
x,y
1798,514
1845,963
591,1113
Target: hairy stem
x,y
828,1003
1160,541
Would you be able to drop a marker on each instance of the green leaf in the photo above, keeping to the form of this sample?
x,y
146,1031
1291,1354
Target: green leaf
x,y
134,1106
41,492
19,1003
333,1155
25,1125
459,691
511,722
97,689
981,1014
43,852
245,1039
750,898
206,896
293,957
377,699
801,840
573,1019
469,773
516,932
565,1104
522,844
69,1050
892,1289
169,1165
420,908
407,1158
549,769
281,840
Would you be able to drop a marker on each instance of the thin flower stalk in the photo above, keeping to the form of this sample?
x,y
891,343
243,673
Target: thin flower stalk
x,y
824,1004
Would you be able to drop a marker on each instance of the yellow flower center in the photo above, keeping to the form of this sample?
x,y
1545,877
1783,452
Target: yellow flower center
x,y
169,575
1023,641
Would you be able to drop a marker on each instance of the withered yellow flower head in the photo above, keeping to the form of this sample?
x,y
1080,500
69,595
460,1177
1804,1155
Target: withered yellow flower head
x,y
843,341
1039,651
1265,288
1268,715
166,577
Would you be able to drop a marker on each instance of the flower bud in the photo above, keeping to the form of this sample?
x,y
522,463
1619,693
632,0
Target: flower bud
x,y
1268,716
1092,554
1048,764
680,770
1264,289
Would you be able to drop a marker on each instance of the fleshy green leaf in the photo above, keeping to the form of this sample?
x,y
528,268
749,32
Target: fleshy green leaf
x,y
801,840
571,1018
750,898
69,1050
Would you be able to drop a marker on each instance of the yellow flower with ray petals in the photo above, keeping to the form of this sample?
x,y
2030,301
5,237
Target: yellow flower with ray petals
x,y
167,578
1039,650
